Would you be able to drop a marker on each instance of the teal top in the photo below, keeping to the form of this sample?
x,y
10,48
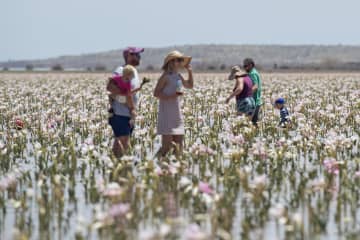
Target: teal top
x,y
255,78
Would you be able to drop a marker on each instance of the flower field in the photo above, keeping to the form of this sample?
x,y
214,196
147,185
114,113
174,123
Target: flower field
x,y
59,180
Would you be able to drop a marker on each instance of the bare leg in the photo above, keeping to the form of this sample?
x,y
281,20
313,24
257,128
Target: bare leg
x,y
121,145
166,141
179,141
118,148
125,142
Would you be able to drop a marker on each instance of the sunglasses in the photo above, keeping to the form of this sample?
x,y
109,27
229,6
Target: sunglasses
x,y
180,60
135,54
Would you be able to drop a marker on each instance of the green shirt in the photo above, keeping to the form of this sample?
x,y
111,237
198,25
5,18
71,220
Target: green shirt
x,y
255,78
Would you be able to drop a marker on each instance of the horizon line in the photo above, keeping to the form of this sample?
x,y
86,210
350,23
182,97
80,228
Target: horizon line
x,y
184,45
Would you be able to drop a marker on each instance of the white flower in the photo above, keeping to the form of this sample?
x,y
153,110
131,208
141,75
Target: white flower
x,y
277,211
184,181
296,217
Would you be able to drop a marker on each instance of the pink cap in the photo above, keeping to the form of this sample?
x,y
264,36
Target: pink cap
x,y
133,50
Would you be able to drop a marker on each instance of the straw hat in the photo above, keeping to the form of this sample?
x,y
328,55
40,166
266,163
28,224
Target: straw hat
x,y
235,72
174,55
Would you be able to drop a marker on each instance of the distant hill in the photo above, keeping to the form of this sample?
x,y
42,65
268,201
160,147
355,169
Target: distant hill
x,y
213,57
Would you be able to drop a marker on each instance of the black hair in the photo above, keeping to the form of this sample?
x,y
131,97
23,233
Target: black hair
x,y
248,61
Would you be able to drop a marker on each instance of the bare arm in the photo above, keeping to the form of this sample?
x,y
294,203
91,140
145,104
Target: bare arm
x,y
160,86
130,102
244,75
135,90
256,81
145,80
239,86
255,88
189,83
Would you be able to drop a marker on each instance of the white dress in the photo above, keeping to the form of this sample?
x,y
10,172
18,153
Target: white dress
x,y
170,118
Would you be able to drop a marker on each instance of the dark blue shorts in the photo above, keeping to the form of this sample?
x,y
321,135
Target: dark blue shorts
x,y
120,125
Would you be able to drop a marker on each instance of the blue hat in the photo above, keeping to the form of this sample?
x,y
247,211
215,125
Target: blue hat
x,y
280,101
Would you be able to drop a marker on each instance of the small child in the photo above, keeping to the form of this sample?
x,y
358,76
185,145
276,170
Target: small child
x,y
284,113
123,82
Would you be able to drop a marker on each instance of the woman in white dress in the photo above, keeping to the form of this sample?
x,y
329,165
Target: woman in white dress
x,y
168,90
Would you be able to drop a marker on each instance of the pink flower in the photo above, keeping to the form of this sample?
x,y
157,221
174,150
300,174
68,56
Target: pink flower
x,y
19,124
200,119
260,180
258,149
357,174
51,124
281,142
159,171
89,141
205,188
3,185
173,169
202,150
193,232
112,190
119,210
100,185
237,139
9,181
331,166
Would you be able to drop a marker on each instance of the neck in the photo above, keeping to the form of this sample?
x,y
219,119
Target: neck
x,y
132,64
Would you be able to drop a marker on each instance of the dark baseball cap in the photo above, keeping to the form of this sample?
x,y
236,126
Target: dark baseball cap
x,y
280,101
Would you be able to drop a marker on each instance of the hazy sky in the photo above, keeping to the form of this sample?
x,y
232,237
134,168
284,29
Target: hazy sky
x,y
43,28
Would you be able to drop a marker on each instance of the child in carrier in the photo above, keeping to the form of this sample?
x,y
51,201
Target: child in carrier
x,y
123,82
